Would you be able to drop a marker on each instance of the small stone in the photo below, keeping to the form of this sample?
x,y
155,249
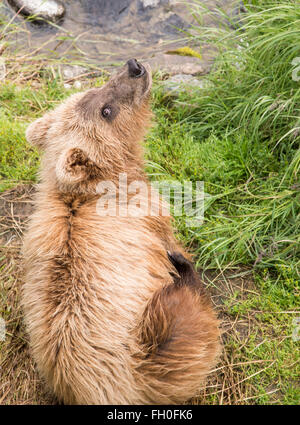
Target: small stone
x,y
50,10
77,85
155,3
67,86
2,69
73,71
150,3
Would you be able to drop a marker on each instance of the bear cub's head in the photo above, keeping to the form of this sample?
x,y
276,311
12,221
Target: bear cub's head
x,y
102,125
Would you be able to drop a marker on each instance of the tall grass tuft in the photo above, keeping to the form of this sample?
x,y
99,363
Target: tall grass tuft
x,y
256,76
245,128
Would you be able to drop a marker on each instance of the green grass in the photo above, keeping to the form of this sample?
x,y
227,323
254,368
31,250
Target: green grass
x,y
241,137
18,106
246,132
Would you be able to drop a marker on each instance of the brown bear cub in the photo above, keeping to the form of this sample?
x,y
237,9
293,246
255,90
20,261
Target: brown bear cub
x,y
115,312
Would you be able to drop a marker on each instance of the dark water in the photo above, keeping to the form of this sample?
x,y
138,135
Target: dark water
x,y
107,31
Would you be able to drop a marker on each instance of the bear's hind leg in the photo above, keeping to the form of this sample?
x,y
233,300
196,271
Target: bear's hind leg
x,y
179,336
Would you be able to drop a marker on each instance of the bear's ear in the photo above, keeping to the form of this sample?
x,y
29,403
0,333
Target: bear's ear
x,y
36,133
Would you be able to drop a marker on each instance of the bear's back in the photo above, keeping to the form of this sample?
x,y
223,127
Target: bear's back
x,y
88,280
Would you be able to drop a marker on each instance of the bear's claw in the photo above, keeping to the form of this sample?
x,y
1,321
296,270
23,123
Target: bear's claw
x,y
179,261
76,157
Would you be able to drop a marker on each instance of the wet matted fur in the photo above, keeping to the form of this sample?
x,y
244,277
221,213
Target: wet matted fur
x,y
115,312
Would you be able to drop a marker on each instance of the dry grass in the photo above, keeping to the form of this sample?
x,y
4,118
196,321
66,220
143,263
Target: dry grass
x,y
229,382
20,384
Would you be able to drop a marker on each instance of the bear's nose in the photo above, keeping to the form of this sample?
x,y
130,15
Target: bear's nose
x,y
135,69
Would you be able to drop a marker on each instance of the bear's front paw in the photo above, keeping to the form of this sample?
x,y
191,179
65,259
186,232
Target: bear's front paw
x,y
76,160
74,166
179,261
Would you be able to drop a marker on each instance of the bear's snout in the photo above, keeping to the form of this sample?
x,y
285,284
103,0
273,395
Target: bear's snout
x,y
135,69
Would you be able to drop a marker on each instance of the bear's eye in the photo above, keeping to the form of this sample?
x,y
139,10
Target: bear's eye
x,y
106,111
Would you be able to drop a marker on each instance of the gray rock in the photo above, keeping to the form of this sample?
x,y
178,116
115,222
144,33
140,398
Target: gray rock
x,y
183,82
176,64
50,10
112,31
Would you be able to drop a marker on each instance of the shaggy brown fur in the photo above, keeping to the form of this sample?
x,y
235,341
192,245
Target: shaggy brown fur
x,y
110,319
